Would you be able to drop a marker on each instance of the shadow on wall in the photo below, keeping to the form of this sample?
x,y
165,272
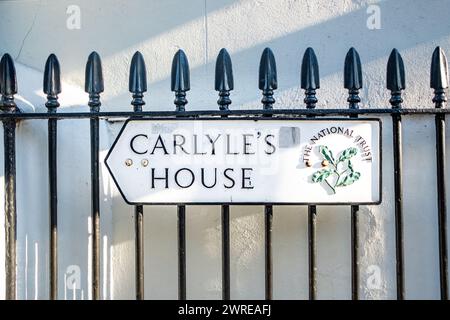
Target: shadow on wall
x,y
108,26
404,25
331,40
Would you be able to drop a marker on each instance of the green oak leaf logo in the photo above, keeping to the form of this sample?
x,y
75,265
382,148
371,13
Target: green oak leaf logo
x,y
341,170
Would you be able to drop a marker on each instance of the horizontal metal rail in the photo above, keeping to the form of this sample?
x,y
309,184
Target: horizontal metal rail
x,y
212,113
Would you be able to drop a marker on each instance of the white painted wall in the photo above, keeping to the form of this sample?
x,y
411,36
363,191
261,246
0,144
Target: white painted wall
x,y
30,30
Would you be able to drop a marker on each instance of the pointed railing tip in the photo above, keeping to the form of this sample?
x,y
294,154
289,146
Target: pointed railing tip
x,y
52,82
52,76
224,72
310,79
180,77
439,77
310,70
8,79
94,75
267,71
224,82
439,70
138,74
353,77
352,70
267,78
395,76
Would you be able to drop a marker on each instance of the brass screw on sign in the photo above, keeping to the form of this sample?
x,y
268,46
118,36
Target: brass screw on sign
x,y
128,162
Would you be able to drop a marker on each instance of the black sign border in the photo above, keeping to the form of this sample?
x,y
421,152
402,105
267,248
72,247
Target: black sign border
x,y
380,149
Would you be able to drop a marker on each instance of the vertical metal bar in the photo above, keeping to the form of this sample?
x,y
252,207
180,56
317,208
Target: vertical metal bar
x,y
268,213
354,243
312,225
442,205
137,86
224,83
268,83
181,252
312,251
9,127
355,249
395,82
52,87
94,86
94,130
225,212
353,82
139,253
180,83
52,138
398,202
439,82
310,81
8,87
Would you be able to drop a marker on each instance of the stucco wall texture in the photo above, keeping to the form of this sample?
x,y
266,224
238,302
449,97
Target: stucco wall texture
x,y
31,30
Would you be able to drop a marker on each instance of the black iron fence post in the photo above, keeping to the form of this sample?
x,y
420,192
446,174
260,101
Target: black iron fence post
x,y
395,81
180,83
353,82
137,86
94,86
439,82
52,87
267,82
224,84
310,82
8,88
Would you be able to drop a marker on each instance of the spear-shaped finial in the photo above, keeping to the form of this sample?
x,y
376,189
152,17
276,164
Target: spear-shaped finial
x,y
94,81
180,79
224,79
267,78
52,82
310,80
439,77
353,77
8,83
395,78
138,81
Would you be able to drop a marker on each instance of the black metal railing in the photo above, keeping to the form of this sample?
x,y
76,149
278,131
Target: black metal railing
x,y
224,84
